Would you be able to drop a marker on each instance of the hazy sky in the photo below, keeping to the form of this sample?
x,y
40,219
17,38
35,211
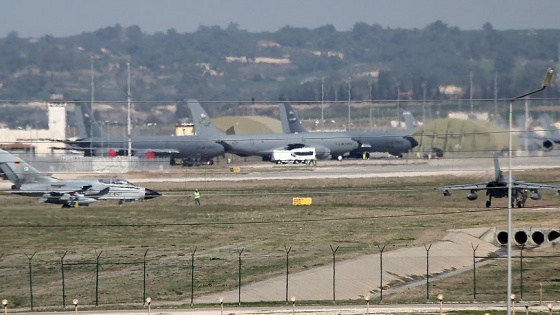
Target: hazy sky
x,y
34,18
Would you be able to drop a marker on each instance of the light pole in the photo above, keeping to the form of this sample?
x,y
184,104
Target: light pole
x,y
293,305
367,303
149,301
546,82
75,302
5,303
440,299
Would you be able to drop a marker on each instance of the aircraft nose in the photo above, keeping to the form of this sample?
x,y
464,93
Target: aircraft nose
x,y
150,194
413,142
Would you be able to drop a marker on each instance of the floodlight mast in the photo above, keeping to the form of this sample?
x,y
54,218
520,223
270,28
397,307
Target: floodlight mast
x,y
546,82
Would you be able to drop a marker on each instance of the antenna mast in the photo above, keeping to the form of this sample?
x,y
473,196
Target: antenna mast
x,y
91,109
128,110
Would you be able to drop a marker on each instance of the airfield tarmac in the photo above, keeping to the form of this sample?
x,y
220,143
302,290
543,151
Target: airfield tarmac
x,y
453,252
374,168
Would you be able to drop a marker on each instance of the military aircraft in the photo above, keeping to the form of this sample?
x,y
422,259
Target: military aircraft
x,y
326,145
529,140
28,181
192,150
395,143
498,188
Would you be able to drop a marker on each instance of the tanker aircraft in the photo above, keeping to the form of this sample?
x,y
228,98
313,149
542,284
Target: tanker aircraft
x,y
498,188
192,150
333,144
28,181
395,143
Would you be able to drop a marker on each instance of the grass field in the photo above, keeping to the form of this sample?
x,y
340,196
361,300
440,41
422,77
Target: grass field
x,y
253,221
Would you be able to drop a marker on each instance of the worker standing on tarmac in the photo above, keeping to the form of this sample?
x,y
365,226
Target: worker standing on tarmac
x,y
196,197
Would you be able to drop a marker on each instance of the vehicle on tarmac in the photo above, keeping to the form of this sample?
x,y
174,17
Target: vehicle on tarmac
x,y
299,155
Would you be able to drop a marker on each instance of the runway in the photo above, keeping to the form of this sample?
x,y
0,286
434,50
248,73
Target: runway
x,y
355,169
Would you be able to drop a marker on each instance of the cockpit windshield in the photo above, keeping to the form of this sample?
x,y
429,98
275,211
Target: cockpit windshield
x,y
115,181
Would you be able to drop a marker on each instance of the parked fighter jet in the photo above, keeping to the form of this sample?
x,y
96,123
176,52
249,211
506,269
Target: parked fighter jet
x,y
498,188
395,143
27,181
326,145
192,150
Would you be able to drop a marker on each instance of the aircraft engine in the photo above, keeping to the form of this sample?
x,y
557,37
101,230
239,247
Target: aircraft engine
x,y
535,195
472,196
546,145
322,152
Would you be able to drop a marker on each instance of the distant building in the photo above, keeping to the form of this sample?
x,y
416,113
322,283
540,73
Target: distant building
x,y
38,140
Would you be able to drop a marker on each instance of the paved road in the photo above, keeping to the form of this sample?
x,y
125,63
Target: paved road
x,y
323,310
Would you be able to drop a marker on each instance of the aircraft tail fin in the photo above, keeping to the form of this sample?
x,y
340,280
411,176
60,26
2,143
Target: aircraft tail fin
x,y
88,127
203,125
20,172
410,122
290,120
497,170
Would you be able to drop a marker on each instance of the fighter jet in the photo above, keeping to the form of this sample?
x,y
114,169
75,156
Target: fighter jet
x,y
498,188
395,143
192,150
326,145
27,181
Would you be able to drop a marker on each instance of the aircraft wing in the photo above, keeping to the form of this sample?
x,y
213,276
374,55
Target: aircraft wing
x,y
534,186
478,186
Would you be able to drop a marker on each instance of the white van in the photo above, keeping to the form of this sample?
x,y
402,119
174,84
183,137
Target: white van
x,y
299,155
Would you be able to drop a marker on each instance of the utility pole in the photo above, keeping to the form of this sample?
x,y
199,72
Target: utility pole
x,y
128,123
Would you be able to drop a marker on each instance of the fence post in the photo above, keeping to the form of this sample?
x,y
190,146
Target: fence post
x,y
62,271
192,275
381,249
333,250
474,248
97,279
288,250
427,272
239,275
29,257
144,280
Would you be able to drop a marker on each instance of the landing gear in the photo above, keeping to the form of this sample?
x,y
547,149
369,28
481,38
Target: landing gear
x,y
489,201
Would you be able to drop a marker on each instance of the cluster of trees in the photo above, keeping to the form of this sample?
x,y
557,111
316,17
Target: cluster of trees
x,y
369,61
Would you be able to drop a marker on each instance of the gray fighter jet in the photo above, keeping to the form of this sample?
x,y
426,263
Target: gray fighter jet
x,y
27,181
192,150
335,145
498,188
395,143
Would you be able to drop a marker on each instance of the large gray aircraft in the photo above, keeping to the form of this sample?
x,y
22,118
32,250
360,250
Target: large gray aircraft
x,y
192,150
326,145
498,188
28,181
395,142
